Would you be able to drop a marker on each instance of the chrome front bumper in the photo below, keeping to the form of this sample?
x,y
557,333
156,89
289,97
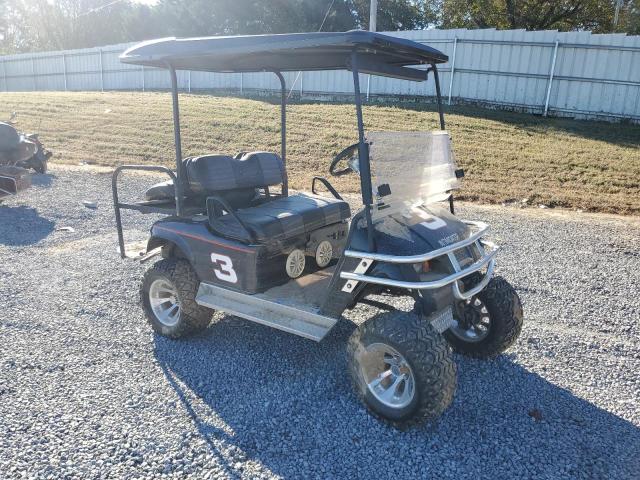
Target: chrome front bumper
x,y
487,251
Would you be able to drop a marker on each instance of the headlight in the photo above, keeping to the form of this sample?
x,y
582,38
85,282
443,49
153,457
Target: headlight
x,y
424,267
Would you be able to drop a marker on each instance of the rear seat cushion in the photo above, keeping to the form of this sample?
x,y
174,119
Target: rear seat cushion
x,y
9,137
160,191
285,217
238,198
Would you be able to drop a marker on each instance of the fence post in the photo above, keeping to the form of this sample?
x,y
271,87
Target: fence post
x,y
553,69
368,86
64,70
453,66
241,83
301,77
33,74
143,84
101,72
4,75
189,82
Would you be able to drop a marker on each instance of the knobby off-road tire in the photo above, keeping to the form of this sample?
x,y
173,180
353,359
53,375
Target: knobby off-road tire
x,y
41,167
505,316
192,317
426,353
40,162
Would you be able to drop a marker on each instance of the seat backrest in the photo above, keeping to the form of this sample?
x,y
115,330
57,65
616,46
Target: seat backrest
x,y
211,174
9,137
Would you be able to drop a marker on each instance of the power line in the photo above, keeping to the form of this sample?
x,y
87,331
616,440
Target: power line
x,y
97,9
326,15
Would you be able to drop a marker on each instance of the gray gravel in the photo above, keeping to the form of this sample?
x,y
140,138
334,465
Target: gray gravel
x,y
87,391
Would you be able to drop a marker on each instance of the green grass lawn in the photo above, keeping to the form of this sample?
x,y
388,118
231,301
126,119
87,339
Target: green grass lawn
x,y
506,156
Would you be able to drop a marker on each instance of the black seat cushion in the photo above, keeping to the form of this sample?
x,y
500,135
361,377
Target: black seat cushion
x,y
160,191
284,218
9,137
210,174
234,179
238,198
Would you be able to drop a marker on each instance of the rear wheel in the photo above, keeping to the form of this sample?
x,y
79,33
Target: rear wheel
x,y
40,161
401,368
168,295
41,166
488,323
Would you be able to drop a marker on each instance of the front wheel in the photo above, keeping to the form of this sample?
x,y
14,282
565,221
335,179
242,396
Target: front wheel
x,y
488,323
168,294
401,368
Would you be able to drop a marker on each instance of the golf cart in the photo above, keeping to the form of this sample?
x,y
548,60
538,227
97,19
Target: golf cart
x,y
236,240
19,152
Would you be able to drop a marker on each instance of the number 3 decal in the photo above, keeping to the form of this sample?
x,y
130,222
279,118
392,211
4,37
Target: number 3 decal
x,y
223,268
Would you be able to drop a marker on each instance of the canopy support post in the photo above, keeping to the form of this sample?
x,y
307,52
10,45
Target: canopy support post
x,y
438,95
442,127
283,131
363,155
177,140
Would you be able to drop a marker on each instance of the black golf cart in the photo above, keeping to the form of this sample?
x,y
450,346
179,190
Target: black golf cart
x,y
19,152
236,240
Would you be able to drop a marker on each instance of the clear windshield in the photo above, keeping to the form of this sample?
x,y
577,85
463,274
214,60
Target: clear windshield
x,y
410,169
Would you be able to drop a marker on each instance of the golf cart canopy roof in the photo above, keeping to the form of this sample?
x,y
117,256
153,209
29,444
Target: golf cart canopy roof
x,y
378,54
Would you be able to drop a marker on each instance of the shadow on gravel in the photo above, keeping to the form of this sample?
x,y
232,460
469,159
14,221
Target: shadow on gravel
x,y
42,180
22,225
288,405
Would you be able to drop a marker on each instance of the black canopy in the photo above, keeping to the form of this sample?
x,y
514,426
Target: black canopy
x,y
377,53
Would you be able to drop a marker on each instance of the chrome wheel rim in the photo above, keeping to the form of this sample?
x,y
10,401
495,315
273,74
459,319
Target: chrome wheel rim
x,y
476,324
324,253
388,375
164,302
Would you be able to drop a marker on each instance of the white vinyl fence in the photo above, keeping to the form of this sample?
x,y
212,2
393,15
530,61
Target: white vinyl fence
x,y
576,74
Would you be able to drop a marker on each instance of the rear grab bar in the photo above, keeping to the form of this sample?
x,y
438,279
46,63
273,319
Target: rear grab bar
x,y
117,204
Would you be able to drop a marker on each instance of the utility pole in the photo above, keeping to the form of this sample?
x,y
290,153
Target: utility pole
x,y
373,20
617,14
373,15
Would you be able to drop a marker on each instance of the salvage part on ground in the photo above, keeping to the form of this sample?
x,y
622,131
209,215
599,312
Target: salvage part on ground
x,y
13,180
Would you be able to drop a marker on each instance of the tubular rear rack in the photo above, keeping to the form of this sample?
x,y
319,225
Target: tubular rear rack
x,y
144,207
13,179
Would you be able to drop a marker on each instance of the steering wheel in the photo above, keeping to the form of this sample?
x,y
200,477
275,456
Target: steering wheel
x,y
347,153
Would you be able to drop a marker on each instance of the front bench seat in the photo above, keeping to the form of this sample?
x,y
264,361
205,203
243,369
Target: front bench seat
x,y
284,218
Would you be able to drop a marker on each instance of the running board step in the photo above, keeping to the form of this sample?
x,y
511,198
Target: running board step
x,y
257,308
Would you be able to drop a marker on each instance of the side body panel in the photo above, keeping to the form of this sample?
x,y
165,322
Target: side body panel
x,y
236,265
223,262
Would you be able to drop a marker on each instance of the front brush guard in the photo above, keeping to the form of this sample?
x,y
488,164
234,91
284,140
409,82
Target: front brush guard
x,y
487,250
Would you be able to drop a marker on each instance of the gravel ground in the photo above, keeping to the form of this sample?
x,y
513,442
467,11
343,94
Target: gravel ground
x,y
87,391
